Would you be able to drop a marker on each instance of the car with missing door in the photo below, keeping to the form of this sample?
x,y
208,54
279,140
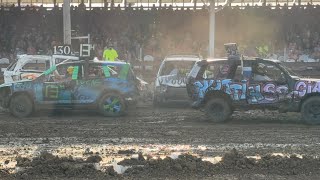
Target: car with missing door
x,y
107,87
170,83
220,86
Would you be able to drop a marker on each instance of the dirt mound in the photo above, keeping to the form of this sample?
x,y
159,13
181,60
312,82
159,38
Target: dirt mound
x,y
184,167
50,166
133,161
232,162
93,159
129,151
288,165
235,160
4,174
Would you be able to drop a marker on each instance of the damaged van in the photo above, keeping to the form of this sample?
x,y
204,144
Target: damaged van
x,y
170,83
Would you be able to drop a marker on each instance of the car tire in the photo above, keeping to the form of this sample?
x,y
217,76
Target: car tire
x,y
218,110
310,110
112,105
21,106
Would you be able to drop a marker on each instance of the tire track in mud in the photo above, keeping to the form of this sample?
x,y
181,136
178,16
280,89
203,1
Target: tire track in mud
x,y
253,130
159,132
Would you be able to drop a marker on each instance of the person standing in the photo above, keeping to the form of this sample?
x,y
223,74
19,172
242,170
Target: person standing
x,y
110,54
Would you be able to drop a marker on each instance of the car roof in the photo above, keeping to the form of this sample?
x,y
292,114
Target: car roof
x,y
216,59
246,59
272,60
115,63
65,56
34,56
182,58
46,57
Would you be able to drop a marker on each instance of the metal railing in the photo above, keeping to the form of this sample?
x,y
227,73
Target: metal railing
x,y
148,4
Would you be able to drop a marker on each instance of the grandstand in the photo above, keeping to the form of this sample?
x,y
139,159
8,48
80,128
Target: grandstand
x,y
290,32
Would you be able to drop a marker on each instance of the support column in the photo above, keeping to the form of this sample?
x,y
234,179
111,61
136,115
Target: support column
x,y
66,22
211,28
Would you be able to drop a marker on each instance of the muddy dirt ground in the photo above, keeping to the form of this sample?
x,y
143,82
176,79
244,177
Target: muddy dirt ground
x,y
172,142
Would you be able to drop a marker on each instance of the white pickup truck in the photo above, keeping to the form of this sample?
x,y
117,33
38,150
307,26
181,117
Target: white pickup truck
x,y
31,66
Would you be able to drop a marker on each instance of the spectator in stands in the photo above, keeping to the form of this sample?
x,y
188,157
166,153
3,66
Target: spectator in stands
x,y
31,50
135,28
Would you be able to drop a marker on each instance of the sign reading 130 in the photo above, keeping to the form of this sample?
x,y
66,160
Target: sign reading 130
x,y
62,49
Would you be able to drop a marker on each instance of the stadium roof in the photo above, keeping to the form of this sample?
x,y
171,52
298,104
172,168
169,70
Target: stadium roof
x,y
150,3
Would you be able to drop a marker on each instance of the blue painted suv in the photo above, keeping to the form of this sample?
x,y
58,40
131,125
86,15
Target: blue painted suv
x,y
220,86
107,87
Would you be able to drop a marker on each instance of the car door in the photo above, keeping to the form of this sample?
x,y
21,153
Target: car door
x,y
88,89
267,84
33,69
60,92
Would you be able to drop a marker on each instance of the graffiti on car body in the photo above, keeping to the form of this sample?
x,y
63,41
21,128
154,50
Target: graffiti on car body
x,y
259,93
306,87
173,80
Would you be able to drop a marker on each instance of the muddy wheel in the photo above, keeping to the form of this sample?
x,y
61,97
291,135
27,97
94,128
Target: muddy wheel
x,y
112,105
310,110
21,106
218,110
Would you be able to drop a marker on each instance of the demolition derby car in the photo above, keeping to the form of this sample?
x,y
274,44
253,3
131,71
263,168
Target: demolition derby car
x,y
222,85
32,66
108,87
170,82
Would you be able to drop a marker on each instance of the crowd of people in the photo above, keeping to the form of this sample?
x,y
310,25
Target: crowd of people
x,y
162,31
